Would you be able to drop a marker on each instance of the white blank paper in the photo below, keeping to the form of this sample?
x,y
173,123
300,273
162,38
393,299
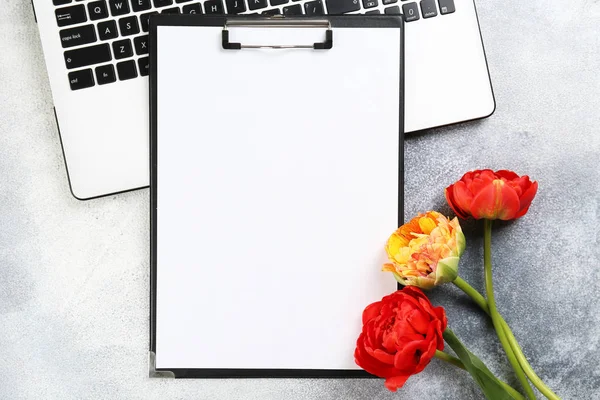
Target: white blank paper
x,y
277,187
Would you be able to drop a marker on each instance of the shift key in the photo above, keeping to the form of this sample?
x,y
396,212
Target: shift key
x,y
87,56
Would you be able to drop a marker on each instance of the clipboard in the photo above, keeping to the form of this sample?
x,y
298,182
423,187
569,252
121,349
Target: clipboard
x,y
276,176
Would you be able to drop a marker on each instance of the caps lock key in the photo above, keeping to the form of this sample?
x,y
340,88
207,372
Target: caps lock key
x,y
77,36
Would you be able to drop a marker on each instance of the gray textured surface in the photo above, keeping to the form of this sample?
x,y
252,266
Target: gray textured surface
x,y
74,275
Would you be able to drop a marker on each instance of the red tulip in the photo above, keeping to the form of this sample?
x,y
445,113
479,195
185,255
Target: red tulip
x,y
491,195
400,336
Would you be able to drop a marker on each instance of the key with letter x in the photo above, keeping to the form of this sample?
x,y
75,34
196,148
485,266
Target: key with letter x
x,y
141,45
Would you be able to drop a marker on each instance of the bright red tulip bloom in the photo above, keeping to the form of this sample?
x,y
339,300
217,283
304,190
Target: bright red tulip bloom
x,y
491,195
400,336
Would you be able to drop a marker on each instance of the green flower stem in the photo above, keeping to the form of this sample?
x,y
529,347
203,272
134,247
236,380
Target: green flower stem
x,y
449,359
496,318
481,302
473,294
545,390
451,339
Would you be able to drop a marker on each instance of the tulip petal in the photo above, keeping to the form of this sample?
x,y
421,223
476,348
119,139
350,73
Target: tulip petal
x,y
427,224
400,336
369,364
387,267
427,355
447,270
408,355
406,337
461,243
462,198
400,279
401,256
426,306
507,174
424,282
396,382
372,311
440,313
520,185
448,193
418,321
495,201
526,199
395,242
480,180
415,293
523,183
382,356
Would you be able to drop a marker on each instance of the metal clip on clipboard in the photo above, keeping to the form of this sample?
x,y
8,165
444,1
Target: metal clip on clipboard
x,y
278,23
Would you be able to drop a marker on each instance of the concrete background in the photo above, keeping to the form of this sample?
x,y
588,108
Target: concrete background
x,y
74,275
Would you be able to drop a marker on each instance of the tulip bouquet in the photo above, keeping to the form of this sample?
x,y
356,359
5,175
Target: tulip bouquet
x,y
404,331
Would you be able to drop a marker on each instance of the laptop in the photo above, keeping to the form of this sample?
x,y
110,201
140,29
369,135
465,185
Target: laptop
x,y
96,53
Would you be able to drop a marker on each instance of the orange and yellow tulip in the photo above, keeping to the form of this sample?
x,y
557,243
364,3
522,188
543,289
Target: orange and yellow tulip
x,y
425,251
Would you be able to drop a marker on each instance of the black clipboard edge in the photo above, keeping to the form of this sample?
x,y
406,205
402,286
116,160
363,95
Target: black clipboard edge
x,y
192,373
340,21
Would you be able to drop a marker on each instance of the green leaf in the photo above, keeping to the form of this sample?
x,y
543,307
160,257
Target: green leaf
x,y
491,386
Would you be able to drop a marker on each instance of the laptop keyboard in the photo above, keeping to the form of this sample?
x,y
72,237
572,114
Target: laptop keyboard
x,y
106,41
